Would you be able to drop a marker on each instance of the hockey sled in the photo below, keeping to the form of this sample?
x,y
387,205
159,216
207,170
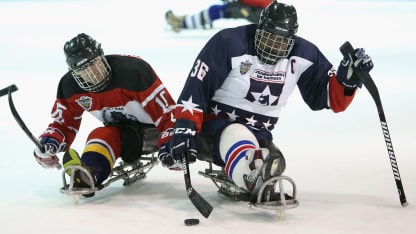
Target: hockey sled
x,y
283,199
128,172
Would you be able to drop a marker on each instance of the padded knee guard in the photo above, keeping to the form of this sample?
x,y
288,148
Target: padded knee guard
x,y
131,143
235,141
205,143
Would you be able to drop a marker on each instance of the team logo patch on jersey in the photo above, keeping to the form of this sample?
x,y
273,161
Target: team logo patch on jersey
x,y
265,87
277,77
85,102
245,67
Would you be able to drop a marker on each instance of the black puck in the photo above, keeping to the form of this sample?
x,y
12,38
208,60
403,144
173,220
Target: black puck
x,y
191,222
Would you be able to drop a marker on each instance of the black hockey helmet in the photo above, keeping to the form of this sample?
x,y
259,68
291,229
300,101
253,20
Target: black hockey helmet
x,y
275,32
279,19
81,50
86,59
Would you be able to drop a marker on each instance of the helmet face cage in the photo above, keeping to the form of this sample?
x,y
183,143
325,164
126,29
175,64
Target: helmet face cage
x,y
275,34
93,76
271,47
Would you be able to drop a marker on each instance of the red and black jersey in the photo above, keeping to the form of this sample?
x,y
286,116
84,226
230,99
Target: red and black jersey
x,y
135,93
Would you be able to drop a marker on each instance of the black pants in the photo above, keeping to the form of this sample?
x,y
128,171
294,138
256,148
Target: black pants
x,y
137,139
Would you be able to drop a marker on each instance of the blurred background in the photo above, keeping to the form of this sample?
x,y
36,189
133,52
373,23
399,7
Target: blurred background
x,y
338,161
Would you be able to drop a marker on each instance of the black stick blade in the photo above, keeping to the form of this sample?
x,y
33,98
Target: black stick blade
x,y
6,90
199,202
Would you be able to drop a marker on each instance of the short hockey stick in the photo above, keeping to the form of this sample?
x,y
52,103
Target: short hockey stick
x,y
5,91
368,82
23,125
199,202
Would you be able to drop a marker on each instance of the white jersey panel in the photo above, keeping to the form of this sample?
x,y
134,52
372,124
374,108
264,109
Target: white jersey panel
x,y
247,71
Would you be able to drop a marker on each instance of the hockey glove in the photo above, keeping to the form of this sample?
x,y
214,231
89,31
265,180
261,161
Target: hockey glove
x,y
362,61
45,160
184,140
53,142
166,158
359,61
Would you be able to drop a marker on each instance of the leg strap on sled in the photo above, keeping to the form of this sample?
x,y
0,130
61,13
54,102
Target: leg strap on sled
x,y
283,200
69,188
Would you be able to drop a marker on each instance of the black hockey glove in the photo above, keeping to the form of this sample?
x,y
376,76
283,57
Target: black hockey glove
x,y
362,61
359,61
166,158
184,140
164,151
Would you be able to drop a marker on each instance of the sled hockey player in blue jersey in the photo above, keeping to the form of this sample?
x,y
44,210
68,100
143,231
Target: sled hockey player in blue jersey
x,y
236,88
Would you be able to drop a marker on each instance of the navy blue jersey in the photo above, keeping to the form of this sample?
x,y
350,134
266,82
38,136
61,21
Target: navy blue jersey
x,y
229,81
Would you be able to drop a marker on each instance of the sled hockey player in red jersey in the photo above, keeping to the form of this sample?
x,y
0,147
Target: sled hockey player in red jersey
x,y
124,93
235,91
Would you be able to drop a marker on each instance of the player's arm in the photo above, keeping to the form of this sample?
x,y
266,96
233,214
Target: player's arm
x,y
58,136
338,101
207,74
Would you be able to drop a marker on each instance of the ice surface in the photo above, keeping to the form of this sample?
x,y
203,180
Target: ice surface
x,y
339,161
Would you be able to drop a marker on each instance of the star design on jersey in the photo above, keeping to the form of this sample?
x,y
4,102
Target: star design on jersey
x,y
232,115
189,105
267,124
251,121
265,97
216,110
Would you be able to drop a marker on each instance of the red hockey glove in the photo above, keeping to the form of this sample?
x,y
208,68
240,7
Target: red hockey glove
x,y
53,142
45,160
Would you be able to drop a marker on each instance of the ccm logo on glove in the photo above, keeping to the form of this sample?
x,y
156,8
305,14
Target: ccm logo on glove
x,y
185,131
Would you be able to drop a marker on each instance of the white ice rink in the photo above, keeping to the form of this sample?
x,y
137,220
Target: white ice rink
x,y
339,161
